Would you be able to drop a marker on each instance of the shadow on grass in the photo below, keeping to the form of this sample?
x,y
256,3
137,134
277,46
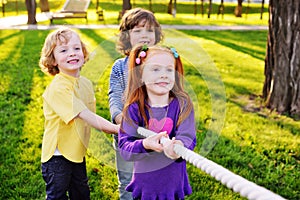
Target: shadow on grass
x,y
230,38
15,171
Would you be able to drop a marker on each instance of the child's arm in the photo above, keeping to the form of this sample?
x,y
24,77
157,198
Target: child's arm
x,y
185,135
116,90
98,122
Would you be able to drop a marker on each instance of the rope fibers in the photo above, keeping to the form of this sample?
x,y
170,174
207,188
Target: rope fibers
x,y
235,182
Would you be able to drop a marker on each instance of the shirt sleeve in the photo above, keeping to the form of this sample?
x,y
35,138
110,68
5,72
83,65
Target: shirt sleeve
x,y
130,142
186,131
116,88
64,103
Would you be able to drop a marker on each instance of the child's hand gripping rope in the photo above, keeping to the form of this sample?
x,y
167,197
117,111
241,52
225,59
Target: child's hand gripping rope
x,y
237,183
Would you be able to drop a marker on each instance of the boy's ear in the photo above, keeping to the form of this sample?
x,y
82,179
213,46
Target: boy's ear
x,y
54,63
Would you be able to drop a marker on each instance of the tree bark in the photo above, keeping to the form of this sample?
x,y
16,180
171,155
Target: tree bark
x,y
209,9
126,6
170,7
44,5
239,9
281,90
202,8
31,11
150,5
221,8
262,9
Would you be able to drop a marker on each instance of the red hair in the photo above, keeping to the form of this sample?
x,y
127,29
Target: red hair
x,y
136,90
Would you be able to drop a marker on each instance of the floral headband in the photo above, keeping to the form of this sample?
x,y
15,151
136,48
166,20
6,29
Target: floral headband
x,y
143,54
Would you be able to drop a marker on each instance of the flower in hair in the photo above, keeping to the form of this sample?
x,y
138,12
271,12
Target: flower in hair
x,y
176,55
138,61
142,54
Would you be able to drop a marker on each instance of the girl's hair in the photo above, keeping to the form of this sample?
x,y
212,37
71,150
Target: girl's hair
x,y
129,20
136,91
58,36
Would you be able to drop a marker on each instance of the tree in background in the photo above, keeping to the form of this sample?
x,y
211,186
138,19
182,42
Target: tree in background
x,y
281,90
126,6
31,11
239,9
44,5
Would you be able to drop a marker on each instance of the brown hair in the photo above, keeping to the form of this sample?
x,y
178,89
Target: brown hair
x,y
47,59
129,20
136,91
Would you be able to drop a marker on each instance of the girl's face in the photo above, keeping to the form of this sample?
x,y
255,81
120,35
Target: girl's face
x,y
142,34
69,56
159,73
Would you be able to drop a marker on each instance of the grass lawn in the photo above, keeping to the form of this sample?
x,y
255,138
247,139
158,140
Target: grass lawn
x,y
261,146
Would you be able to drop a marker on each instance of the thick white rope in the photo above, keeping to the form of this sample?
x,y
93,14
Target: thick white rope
x,y
235,182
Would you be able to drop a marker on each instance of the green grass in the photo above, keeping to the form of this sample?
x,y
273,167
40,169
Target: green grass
x,y
224,75
258,145
185,13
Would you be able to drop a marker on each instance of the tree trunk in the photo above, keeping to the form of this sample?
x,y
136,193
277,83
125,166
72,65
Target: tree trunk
x,y
126,6
202,8
170,7
281,90
262,9
150,5
239,9
209,9
44,5
195,7
221,8
31,11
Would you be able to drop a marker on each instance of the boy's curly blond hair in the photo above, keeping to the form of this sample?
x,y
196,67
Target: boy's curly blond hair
x,y
47,59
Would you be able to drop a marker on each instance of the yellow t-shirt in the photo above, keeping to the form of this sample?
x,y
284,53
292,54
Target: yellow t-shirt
x,y
64,99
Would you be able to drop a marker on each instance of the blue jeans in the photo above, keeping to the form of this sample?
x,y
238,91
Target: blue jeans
x,y
124,169
63,176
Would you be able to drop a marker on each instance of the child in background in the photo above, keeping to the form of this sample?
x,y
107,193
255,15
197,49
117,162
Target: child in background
x,y
156,100
69,110
138,26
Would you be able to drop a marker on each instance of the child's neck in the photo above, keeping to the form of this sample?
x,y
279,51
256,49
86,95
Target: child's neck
x,y
158,101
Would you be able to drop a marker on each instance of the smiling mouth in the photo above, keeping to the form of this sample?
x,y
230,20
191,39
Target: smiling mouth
x,y
73,61
162,84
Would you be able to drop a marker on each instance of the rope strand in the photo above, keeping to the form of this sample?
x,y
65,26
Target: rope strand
x,y
235,182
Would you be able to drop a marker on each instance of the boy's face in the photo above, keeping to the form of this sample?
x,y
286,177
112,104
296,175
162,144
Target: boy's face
x,y
69,56
142,33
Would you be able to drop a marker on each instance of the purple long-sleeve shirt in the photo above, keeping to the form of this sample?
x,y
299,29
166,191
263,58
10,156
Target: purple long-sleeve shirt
x,y
155,175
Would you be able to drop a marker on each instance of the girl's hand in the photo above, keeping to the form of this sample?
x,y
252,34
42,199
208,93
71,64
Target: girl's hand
x,y
169,148
153,142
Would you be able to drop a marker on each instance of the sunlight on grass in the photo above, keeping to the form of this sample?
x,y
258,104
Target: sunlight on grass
x,y
5,81
255,143
185,13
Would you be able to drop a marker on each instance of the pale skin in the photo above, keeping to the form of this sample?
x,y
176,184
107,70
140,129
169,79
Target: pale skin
x,y
69,59
140,34
159,77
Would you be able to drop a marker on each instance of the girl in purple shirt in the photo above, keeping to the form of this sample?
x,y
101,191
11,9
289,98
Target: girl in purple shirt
x,y
156,100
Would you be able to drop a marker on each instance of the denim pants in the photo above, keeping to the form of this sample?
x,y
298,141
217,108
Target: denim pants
x,y
125,170
63,176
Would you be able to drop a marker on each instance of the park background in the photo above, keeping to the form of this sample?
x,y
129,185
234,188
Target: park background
x,y
254,142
